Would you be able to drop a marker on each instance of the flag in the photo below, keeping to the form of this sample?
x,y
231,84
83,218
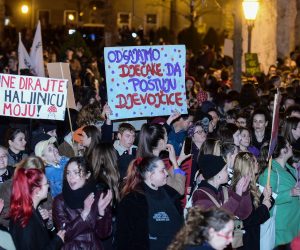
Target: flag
x,y
36,52
24,58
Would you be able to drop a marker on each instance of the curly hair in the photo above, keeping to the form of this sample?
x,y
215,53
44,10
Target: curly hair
x,y
196,229
89,114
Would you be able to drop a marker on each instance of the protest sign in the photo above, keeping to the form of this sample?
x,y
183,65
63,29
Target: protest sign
x,y
62,71
145,80
252,64
32,97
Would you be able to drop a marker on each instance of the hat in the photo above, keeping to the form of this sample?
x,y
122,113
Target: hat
x,y
210,165
47,127
40,147
77,135
37,138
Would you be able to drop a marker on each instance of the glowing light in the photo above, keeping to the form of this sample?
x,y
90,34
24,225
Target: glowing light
x,y
71,17
250,9
24,9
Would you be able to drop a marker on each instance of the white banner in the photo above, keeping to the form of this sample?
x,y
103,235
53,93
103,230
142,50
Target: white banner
x,y
33,97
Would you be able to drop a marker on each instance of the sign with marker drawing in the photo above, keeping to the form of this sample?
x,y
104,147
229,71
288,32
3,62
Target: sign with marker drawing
x,y
145,80
33,97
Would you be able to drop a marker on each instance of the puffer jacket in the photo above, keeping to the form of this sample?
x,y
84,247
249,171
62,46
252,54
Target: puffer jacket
x,y
81,234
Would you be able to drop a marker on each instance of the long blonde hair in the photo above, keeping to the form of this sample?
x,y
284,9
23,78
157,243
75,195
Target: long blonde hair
x,y
244,165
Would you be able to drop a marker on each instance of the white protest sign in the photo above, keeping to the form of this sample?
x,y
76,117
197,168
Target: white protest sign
x,y
33,97
145,80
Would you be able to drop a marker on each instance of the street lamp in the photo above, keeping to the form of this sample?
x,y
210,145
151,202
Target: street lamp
x,y
24,9
250,10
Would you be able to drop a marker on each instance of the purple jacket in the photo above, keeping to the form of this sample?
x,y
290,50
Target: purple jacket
x,y
81,234
240,206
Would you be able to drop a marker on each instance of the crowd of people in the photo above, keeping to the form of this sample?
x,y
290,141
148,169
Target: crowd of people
x,y
180,181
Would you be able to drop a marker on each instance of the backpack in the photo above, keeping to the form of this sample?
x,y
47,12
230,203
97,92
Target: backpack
x,y
238,232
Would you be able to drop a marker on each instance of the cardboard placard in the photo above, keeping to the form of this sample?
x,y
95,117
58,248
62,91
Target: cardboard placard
x,y
33,97
145,80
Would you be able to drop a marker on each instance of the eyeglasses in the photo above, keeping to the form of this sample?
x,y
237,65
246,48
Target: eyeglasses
x,y
227,237
199,132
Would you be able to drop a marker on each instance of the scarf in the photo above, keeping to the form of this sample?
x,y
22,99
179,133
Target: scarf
x,y
75,198
17,157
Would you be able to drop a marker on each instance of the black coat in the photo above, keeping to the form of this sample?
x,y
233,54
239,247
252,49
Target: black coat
x,y
132,220
251,237
34,235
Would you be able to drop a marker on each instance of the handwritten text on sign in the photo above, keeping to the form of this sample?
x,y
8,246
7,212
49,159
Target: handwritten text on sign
x,y
145,80
32,97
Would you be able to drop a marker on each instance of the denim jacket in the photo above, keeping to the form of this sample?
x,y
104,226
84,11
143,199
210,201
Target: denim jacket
x,y
54,174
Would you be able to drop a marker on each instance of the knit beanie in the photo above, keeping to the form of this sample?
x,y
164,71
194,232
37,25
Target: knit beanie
x,y
210,165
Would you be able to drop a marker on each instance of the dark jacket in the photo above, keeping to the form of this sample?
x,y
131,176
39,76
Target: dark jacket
x,y
81,234
132,220
34,235
251,237
204,246
5,193
240,206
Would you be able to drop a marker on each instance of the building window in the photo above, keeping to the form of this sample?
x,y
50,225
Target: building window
x,y
44,17
124,19
70,17
151,19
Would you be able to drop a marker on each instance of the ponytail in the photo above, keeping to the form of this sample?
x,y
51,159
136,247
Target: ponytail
x,y
136,174
24,183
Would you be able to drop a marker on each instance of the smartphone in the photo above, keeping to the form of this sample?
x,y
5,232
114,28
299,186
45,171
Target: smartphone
x,y
188,145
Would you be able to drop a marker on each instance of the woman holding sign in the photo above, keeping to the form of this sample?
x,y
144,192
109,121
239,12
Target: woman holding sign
x,y
283,182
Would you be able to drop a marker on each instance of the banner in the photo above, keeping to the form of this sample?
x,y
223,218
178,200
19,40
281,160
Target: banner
x,y
145,80
62,71
33,97
252,64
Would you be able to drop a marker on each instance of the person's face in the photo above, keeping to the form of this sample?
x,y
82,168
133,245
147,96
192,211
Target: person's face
x,y
288,151
189,84
256,167
52,133
3,159
50,154
187,122
220,239
127,138
215,117
159,175
43,189
199,135
296,131
288,103
259,123
236,138
86,141
75,176
245,138
19,143
162,143
231,157
241,122
272,71
223,175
